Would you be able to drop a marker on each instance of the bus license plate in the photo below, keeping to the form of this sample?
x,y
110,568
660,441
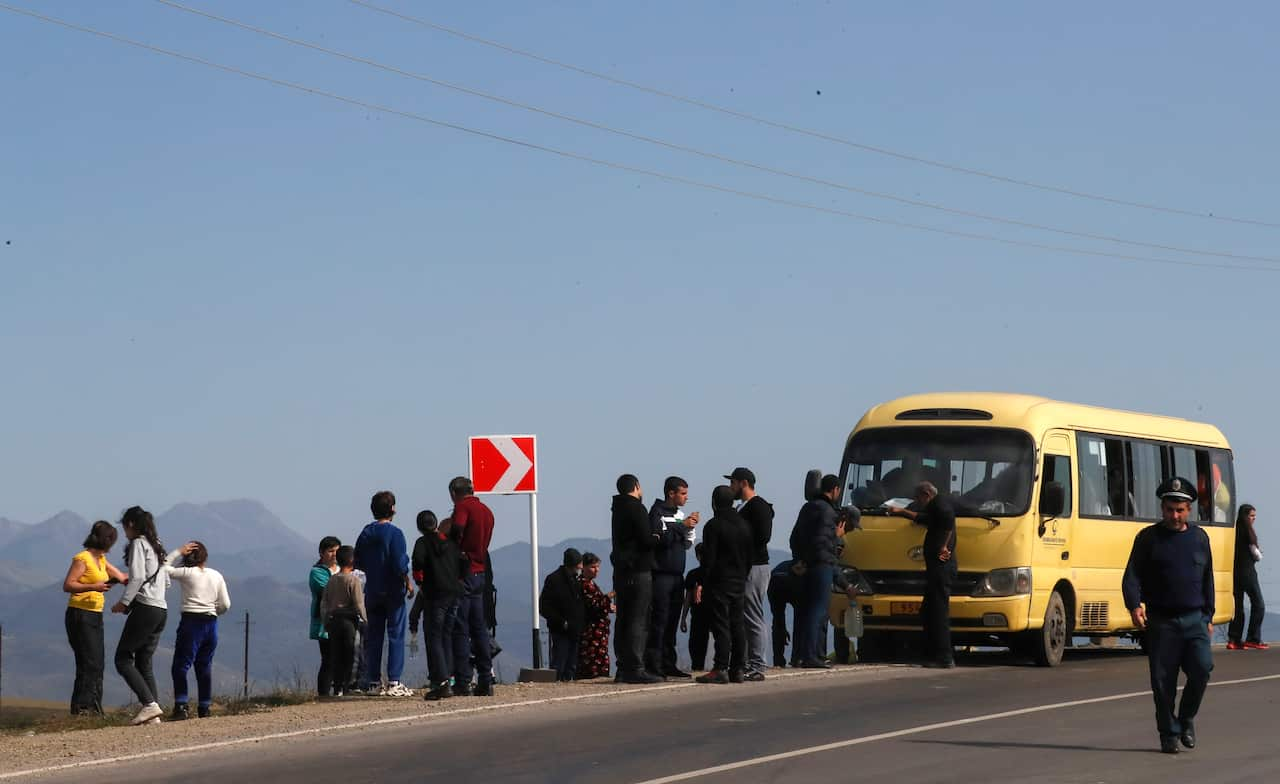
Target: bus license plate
x,y
904,608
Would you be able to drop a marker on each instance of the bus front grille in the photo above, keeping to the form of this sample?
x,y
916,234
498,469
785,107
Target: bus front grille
x,y
905,583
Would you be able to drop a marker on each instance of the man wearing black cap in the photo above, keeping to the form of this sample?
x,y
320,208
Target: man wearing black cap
x,y
1168,589
726,557
561,604
759,516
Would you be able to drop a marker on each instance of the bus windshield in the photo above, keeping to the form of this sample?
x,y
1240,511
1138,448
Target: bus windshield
x,y
986,470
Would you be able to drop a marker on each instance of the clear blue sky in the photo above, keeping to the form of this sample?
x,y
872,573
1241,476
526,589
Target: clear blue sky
x,y
212,287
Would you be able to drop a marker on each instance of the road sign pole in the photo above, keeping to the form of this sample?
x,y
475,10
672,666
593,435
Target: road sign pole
x,y
533,554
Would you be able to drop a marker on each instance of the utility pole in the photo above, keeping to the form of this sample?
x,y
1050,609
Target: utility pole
x,y
1,667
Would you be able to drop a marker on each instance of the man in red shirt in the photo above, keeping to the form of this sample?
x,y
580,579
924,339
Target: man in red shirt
x,y
475,522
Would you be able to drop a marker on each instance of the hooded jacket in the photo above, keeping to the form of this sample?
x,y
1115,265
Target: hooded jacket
x,y
813,539
438,566
726,551
665,522
759,516
562,604
633,542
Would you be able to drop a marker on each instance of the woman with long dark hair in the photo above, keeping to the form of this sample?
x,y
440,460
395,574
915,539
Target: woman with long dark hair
x,y
324,568
144,603
89,577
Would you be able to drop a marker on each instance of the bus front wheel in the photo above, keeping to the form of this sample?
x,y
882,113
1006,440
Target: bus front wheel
x,y
1048,643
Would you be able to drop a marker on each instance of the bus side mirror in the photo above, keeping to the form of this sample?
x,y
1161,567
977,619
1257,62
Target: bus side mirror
x,y
1053,497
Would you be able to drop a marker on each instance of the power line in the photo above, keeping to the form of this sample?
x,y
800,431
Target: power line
x,y
704,153
612,164
809,132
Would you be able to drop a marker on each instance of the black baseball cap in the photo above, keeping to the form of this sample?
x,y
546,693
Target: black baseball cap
x,y
742,474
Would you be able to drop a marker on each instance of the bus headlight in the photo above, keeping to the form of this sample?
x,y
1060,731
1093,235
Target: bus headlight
x,y
860,584
1004,582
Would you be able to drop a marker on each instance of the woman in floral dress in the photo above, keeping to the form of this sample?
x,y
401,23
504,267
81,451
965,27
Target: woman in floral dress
x,y
593,649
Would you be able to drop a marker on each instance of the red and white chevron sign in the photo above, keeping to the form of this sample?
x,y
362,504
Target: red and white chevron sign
x,y
504,464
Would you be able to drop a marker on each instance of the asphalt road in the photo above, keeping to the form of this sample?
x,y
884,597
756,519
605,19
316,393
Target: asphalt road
x,y
1087,721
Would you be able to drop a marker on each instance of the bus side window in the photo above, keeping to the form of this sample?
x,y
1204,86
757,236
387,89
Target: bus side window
x,y
1193,464
1093,477
1057,468
1145,466
1223,493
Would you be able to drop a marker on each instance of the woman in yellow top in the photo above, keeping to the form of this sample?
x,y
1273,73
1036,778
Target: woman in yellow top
x,y
89,577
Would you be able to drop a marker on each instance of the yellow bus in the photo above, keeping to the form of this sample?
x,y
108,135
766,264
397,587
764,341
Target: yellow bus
x,y
1048,497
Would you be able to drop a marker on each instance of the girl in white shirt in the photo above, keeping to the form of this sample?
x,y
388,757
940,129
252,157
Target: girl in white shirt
x,y
204,598
143,601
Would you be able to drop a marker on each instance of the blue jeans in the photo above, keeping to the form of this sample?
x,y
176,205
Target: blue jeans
x,y
564,655
387,615
471,637
197,640
815,598
439,627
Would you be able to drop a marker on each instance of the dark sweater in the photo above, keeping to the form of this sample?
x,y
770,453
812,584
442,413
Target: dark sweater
x,y
438,565
671,544
726,552
561,603
633,542
759,516
813,539
475,521
1170,571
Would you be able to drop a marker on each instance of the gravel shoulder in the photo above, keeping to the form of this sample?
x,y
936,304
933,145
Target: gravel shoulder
x,y
30,753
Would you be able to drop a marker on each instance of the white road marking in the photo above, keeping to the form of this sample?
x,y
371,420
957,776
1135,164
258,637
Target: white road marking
x,y
404,720
748,763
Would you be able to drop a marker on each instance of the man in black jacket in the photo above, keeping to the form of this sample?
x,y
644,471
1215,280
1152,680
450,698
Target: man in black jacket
x,y
675,535
726,557
938,515
562,605
632,559
438,565
814,542
759,516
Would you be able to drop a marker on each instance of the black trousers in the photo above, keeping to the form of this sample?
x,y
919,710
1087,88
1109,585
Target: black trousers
x,y
631,626
342,648
778,609
1178,642
324,678
137,645
664,622
84,633
729,627
935,609
700,632
564,655
1246,584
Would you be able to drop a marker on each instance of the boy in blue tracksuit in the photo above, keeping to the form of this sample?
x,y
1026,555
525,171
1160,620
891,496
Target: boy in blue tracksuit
x,y
380,552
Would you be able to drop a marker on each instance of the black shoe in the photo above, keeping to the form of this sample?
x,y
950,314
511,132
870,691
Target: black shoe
x,y
440,692
461,689
642,677
1169,745
815,664
180,712
658,677
946,664
1188,736
676,672
755,676
737,677
202,712
483,690
714,676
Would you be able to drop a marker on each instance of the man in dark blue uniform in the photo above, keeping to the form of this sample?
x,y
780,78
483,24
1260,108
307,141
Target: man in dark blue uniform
x,y
1168,589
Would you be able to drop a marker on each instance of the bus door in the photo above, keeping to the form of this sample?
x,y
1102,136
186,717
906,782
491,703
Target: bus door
x,y
1055,502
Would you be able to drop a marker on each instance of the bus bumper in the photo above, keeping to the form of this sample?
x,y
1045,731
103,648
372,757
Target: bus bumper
x,y
968,613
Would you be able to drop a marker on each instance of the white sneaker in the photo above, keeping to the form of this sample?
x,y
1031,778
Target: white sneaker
x,y
149,711
397,689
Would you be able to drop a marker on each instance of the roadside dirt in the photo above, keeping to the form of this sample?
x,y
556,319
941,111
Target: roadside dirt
x,y
33,752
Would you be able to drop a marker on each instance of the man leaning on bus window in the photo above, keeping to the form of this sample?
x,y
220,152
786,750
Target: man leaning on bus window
x,y
1168,589
937,514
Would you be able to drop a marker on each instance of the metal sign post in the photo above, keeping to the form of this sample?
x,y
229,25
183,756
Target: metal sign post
x,y
508,465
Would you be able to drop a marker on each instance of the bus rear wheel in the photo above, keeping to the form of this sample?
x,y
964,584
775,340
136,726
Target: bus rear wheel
x,y
1047,644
